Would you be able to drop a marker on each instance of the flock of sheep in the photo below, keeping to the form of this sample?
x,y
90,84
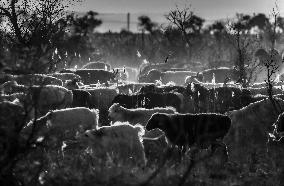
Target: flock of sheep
x,y
98,107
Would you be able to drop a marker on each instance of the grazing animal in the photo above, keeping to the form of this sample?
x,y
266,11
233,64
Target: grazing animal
x,y
159,66
178,77
131,88
51,97
121,141
220,99
101,98
151,88
185,130
91,76
149,100
64,124
151,76
65,76
135,116
193,79
72,84
97,66
48,97
263,91
250,129
220,74
37,79
11,87
81,98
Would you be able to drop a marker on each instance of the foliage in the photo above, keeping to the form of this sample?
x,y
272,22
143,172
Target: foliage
x,y
34,29
145,23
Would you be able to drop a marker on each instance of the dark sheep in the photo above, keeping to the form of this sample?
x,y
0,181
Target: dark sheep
x,y
220,74
220,99
97,65
81,98
151,76
185,130
161,89
93,76
149,100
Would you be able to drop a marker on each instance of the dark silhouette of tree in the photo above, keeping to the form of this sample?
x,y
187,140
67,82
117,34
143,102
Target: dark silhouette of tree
x,y
259,20
242,23
241,39
145,23
37,29
219,47
188,24
78,44
217,28
84,25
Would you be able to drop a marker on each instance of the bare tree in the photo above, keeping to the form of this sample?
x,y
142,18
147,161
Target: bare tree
x,y
240,38
35,30
188,23
272,60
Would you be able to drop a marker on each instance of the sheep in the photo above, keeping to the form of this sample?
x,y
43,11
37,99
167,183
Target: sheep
x,y
263,91
185,130
65,76
50,97
220,99
135,116
161,89
220,74
177,77
37,79
131,88
12,86
250,129
97,66
81,98
65,124
101,98
91,76
191,79
45,98
150,100
121,141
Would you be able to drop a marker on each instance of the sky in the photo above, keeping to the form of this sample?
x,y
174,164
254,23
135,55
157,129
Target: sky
x,y
113,12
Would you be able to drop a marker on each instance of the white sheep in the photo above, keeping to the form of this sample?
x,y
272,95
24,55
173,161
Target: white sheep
x,y
65,124
121,141
135,116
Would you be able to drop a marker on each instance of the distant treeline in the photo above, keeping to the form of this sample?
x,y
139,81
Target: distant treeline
x,y
37,44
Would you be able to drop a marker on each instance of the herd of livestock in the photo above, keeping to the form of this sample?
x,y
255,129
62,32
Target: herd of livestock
x,y
125,111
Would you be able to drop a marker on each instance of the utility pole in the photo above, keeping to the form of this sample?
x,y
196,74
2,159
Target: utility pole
x,y
128,22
